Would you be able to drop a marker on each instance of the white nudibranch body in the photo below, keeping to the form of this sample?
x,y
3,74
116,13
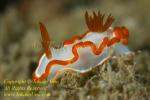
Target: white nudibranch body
x,y
82,54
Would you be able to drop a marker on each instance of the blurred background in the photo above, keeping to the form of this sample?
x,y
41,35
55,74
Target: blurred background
x,y
20,46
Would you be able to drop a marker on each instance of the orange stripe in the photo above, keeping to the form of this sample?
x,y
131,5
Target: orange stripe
x,y
118,32
113,40
121,33
67,42
125,35
96,51
125,32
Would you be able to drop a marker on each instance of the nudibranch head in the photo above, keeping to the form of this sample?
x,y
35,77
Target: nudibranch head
x,y
82,53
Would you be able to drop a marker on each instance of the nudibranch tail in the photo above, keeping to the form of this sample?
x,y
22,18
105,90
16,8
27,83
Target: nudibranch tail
x,y
45,40
97,24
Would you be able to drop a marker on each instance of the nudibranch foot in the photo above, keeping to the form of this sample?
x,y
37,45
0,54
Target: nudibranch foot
x,y
82,53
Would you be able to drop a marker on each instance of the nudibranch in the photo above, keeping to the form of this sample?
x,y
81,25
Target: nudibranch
x,y
82,53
